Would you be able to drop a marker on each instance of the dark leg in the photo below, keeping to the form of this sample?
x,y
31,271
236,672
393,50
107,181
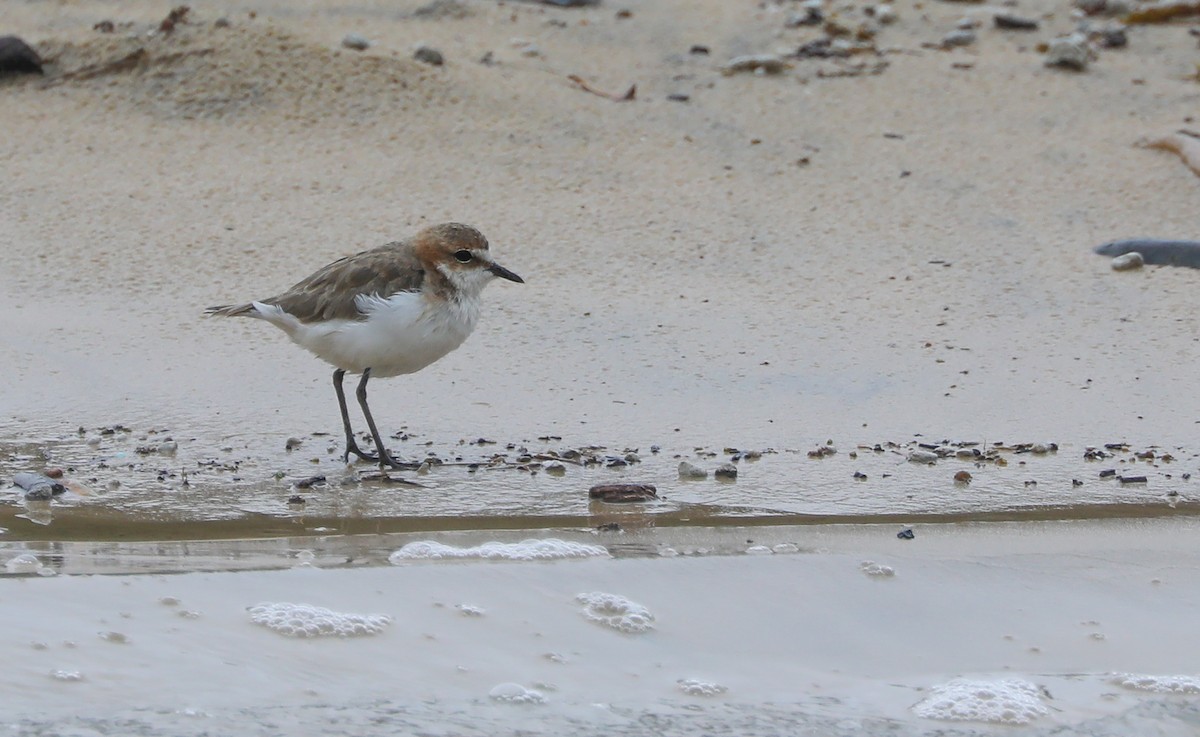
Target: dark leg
x,y
351,445
385,460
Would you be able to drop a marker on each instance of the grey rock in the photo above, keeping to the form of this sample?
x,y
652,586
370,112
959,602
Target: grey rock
x,y
691,471
726,471
356,42
429,55
1128,261
1069,52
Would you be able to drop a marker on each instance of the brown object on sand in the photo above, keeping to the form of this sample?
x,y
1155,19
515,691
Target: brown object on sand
x,y
1186,144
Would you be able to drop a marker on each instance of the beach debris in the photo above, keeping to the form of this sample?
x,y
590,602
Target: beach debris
x,y
1163,11
1010,22
567,3
760,64
678,97
1155,251
1128,261
958,37
726,472
810,13
1132,479
18,57
691,471
356,42
1110,37
443,9
1069,52
623,493
1185,143
906,534
699,50
884,13
629,94
309,482
1105,7
429,55
38,486
177,15
1108,473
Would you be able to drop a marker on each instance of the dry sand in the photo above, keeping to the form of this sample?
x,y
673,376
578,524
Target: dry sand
x,y
689,283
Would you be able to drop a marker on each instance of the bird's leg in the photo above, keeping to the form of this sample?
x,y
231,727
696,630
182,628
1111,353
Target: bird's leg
x,y
385,459
351,445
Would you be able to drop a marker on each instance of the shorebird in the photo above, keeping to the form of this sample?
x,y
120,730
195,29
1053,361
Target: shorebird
x,y
388,311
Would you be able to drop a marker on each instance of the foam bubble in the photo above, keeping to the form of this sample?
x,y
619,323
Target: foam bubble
x,y
119,638
878,570
1006,701
612,610
23,563
470,610
1158,684
759,550
694,687
515,693
785,548
533,549
66,675
305,620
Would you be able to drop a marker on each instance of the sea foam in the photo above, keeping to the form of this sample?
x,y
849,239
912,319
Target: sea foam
x,y
1005,701
304,620
526,550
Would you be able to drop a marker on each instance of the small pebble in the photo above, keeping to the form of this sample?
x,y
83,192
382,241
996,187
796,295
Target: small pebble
x,y
958,37
756,63
292,443
691,471
906,534
167,448
555,468
1069,52
885,13
429,55
356,42
1011,22
1128,261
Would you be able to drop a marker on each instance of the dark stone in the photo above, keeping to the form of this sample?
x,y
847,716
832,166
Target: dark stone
x,y
17,57
623,493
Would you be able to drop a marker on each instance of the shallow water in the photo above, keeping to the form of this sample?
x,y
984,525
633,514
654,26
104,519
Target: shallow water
x,y
121,487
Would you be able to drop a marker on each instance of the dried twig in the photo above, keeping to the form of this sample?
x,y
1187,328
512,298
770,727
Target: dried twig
x,y
629,94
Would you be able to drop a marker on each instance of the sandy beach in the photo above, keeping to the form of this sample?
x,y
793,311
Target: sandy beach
x,y
877,254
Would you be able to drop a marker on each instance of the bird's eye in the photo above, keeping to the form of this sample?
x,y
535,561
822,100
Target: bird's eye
x,y
464,256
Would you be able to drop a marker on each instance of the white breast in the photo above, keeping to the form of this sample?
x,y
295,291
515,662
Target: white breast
x,y
401,334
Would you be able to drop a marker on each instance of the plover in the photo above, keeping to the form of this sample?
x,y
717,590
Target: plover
x,y
388,311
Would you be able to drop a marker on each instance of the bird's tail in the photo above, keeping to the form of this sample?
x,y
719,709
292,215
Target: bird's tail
x,y
243,310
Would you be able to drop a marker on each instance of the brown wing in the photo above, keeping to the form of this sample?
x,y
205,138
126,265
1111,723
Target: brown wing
x,y
329,293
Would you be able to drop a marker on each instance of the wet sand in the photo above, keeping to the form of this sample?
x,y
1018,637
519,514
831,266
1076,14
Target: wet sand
x,y
806,637
777,263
